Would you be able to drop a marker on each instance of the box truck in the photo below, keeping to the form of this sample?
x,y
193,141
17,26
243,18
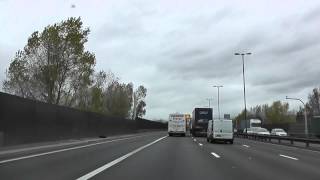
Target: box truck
x,y
250,123
177,124
199,121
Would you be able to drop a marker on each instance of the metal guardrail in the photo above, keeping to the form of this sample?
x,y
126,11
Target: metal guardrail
x,y
308,141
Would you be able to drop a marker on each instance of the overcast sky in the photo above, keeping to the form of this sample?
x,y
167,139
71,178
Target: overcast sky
x,y
179,49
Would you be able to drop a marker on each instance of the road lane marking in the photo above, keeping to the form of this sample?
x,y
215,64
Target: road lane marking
x,y
116,161
194,140
289,157
200,144
62,150
245,145
215,155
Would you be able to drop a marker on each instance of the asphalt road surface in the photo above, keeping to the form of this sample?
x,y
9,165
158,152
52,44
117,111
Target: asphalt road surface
x,y
156,156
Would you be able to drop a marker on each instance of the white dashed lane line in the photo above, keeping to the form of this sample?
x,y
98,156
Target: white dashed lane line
x,y
116,161
245,146
289,157
200,144
215,155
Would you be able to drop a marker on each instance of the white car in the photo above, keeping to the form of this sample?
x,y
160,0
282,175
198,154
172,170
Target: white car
x,y
278,132
249,131
261,131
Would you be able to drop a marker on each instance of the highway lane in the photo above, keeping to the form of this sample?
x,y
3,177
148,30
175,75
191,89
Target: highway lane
x,y
257,160
38,148
184,158
172,158
154,156
72,164
305,155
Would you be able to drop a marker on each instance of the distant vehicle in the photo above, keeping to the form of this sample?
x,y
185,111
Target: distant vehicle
x,y
278,132
260,131
220,129
251,123
177,124
249,131
199,121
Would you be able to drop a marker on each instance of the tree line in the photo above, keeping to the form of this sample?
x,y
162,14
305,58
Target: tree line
x,y
278,112
54,67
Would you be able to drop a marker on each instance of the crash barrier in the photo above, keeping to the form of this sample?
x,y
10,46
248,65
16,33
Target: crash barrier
x,y
268,138
26,121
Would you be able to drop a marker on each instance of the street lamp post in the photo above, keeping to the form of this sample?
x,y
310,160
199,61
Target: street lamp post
x,y
209,100
218,87
244,86
305,115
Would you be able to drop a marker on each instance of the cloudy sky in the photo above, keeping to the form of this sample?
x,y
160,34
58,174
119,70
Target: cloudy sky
x,y
179,49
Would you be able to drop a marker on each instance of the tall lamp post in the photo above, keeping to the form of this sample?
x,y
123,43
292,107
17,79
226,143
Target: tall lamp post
x,y
209,100
305,115
244,86
218,87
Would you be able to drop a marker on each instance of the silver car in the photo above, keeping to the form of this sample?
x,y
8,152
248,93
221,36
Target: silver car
x,y
278,132
261,131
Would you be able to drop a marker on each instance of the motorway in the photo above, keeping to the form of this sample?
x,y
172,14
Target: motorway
x,y
157,156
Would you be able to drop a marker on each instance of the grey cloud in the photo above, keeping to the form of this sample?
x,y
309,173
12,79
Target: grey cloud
x,y
313,15
6,53
125,25
295,44
179,53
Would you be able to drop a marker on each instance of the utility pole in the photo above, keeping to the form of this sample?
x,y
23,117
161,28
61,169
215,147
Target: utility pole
x,y
306,132
244,86
218,87
209,100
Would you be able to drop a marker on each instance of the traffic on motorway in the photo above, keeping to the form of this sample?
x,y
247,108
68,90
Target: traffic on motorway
x,y
202,123
132,89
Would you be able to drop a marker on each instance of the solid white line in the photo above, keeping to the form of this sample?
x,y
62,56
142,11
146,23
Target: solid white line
x,y
215,155
200,144
245,145
62,150
289,157
116,161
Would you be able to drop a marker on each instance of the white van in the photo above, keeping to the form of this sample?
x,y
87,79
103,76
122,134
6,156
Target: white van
x,y
177,124
221,130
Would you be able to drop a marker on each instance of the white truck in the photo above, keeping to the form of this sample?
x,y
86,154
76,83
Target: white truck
x,y
220,130
177,124
249,124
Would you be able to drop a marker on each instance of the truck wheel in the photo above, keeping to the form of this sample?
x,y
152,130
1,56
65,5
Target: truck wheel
x,y
207,139
170,134
231,142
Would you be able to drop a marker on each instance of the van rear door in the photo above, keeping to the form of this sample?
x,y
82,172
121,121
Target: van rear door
x,y
223,129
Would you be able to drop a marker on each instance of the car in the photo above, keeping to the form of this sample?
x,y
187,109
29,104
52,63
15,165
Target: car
x,y
261,131
248,131
278,132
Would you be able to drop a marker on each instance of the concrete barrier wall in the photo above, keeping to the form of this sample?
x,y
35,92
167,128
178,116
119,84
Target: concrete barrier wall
x,y
26,121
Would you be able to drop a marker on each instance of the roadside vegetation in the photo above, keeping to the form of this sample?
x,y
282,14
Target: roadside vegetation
x,y
278,112
54,67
